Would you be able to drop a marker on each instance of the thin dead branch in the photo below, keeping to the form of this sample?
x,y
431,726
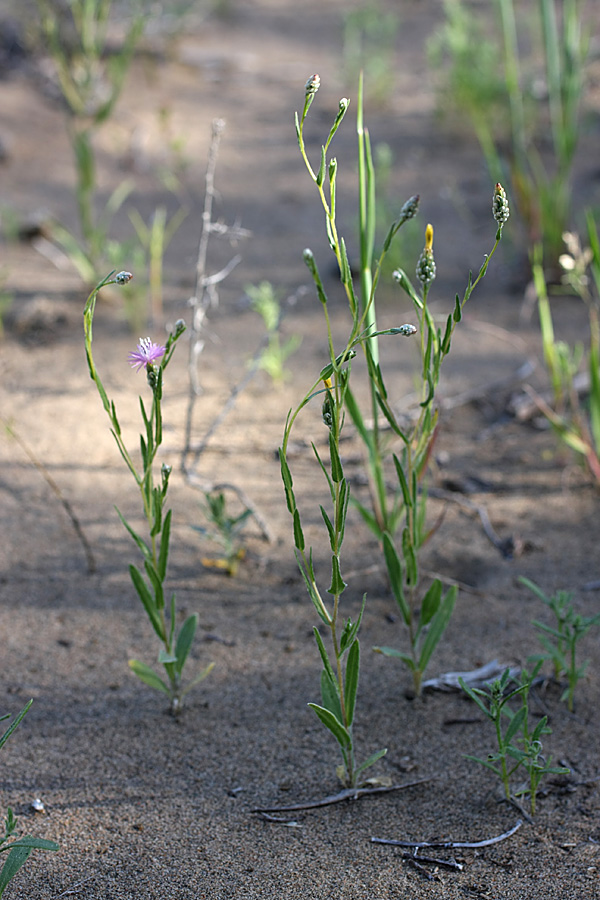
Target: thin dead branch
x,y
451,845
346,794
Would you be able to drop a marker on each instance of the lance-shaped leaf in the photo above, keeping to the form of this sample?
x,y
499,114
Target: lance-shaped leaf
x,y
185,639
437,627
394,568
334,725
148,676
351,683
147,601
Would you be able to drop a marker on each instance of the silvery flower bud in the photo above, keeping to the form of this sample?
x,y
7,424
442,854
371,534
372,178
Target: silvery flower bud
x,y
405,330
123,277
500,207
312,85
410,209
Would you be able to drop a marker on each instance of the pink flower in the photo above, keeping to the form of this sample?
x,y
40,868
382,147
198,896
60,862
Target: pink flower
x,y
146,354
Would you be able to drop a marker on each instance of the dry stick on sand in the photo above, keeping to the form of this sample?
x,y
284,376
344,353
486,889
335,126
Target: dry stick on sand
x,y
346,794
89,555
416,860
206,295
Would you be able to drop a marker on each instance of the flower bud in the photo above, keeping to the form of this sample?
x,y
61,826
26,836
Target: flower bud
x,y
312,85
426,263
178,328
500,207
410,209
123,277
405,330
327,408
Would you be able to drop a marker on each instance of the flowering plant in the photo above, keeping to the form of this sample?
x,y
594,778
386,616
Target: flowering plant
x,y
425,617
149,580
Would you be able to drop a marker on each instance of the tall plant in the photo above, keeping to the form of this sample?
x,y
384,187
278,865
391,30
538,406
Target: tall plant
x,y
339,680
91,75
149,580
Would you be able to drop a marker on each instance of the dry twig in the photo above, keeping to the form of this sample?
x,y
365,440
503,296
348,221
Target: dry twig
x,y
346,794
451,845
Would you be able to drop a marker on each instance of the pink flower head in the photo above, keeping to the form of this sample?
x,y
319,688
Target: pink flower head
x,y
146,354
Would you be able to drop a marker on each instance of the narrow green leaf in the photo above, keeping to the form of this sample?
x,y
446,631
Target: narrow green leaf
x,y
371,760
148,676
338,584
322,166
457,314
147,601
298,533
15,859
368,517
515,725
445,343
334,725
406,496
337,473
325,473
143,546
330,695
351,685
342,510
324,657
163,556
437,627
286,476
15,723
357,419
185,639
387,412
351,628
395,574
397,654
153,576
410,559
330,528
32,843
198,678
431,602
312,591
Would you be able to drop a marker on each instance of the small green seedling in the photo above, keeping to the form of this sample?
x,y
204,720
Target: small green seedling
x,y
519,746
225,530
560,641
266,303
18,849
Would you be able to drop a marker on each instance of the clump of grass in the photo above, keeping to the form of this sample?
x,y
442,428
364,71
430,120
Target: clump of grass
x,y
575,421
513,105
